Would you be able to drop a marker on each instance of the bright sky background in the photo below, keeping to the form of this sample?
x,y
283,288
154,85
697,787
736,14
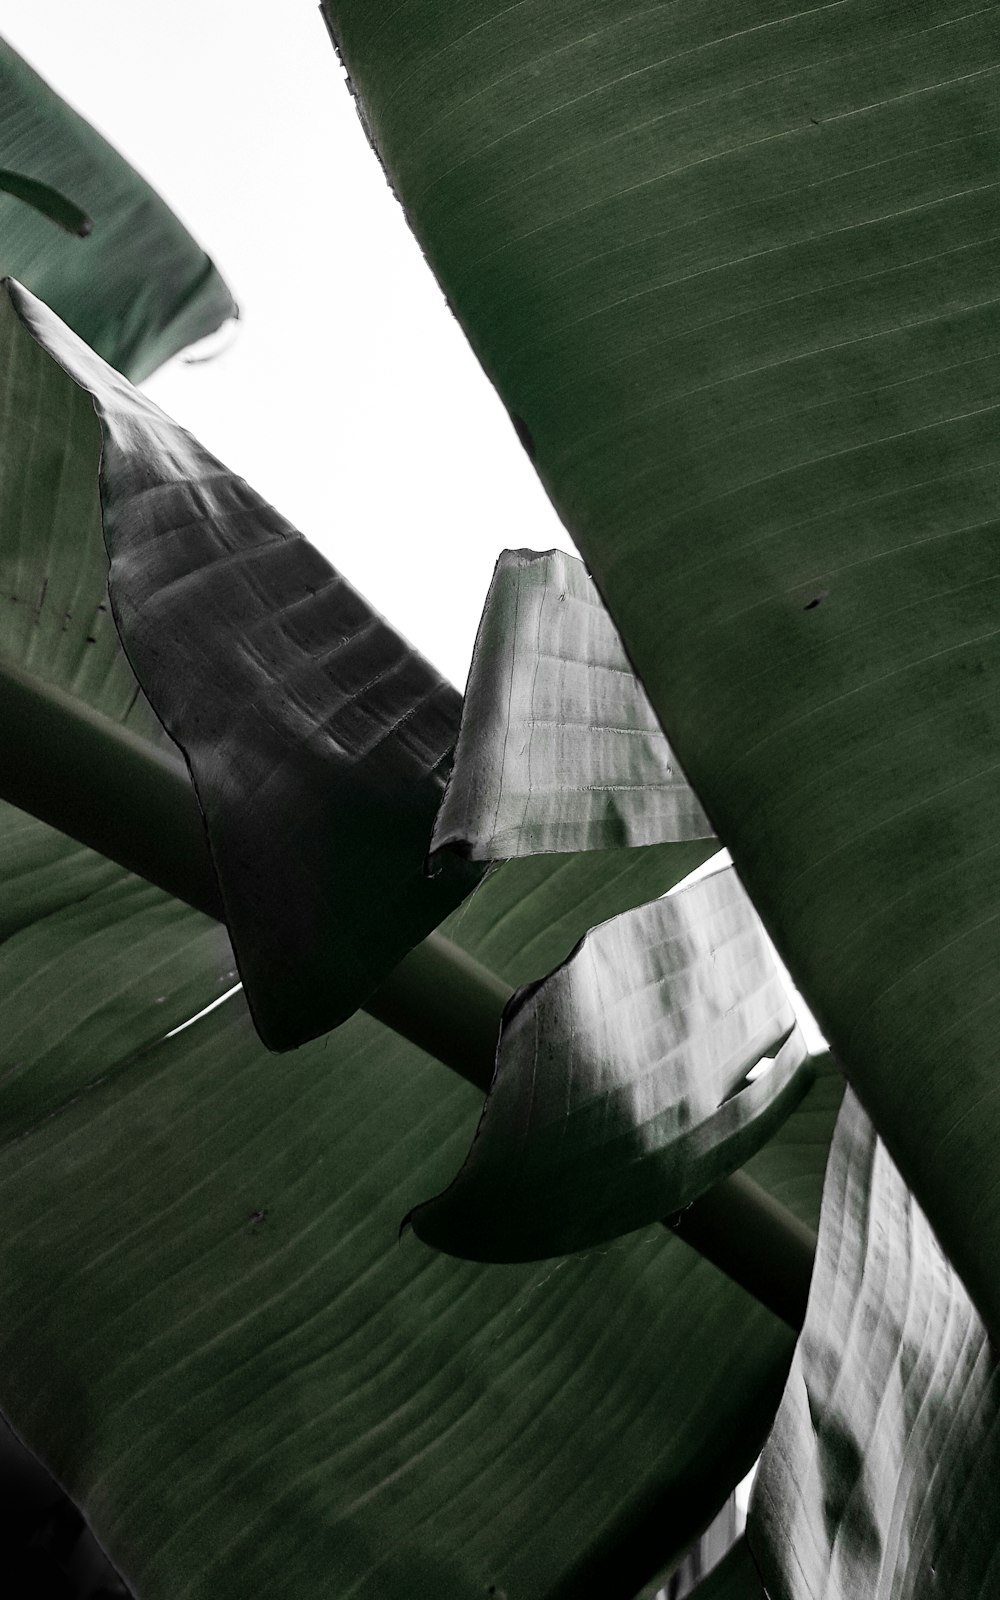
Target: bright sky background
x,y
349,396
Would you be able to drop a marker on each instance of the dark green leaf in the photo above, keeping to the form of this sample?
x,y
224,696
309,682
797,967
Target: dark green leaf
x,y
48,202
559,748
209,1331
555,900
315,735
735,266
879,1478
621,1089
141,288
294,1397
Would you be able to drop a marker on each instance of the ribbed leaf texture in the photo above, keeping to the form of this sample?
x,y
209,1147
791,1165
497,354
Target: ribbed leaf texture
x,y
559,747
879,1478
621,1091
734,266
135,285
315,735
210,1333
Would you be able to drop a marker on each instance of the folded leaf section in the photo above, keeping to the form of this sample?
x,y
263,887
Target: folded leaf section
x,y
315,735
559,748
621,1091
879,1478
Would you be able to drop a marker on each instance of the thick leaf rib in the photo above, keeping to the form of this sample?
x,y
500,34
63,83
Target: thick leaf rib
x,y
735,266
559,748
620,1093
315,735
879,1478
135,285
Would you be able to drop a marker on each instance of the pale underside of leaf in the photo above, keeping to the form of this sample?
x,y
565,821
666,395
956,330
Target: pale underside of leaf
x,y
559,748
879,1478
621,1093
315,735
138,288
734,265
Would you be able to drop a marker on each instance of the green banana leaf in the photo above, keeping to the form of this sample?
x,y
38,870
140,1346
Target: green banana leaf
x,y
207,1329
210,1334
879,1478
621,1090
137,287
734,269
559,748
315,735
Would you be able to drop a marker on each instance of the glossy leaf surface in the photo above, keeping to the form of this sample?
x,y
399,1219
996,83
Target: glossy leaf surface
x,y
879,1478
620,1093
137,287
315,735
734,267
559,747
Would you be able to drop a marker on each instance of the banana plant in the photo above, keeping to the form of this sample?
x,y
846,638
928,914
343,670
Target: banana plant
x,y
730,269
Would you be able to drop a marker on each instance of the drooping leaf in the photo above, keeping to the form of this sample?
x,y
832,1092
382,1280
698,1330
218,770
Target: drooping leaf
x,y
559,748
210,1333
879,1478
621,1089
48,202
734,268
315,735
139,288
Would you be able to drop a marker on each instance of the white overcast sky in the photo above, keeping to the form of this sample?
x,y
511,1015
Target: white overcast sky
x,y
349,396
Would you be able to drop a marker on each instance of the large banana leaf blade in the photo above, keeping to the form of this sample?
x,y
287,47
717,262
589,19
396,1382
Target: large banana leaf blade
x,y
559,747
734,267
620,1093
135,286
315,735
209,1332
880,1476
